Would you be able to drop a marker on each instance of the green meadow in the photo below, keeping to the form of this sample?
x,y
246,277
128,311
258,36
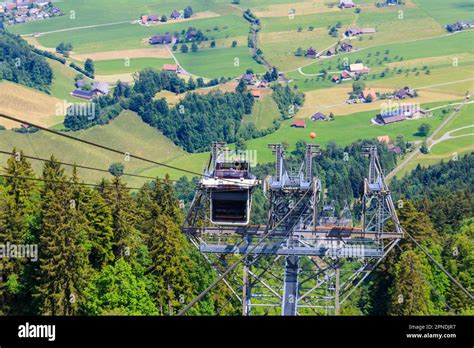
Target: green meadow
x,y
79,13
128,36
435,47
121,66
227,62
264,112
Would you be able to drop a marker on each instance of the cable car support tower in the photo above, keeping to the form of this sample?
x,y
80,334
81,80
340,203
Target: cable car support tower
x,y
307,260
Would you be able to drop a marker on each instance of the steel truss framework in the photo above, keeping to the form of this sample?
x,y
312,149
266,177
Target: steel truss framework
x,y
304,261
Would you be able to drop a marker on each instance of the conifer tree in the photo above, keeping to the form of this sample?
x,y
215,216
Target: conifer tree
x,y
99,220
16,217
410,294
166,244
125,219
63,263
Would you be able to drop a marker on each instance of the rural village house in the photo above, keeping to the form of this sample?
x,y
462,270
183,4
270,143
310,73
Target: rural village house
x,y
345,47
299,124
354,31
319,116
401,113
310,53
165,39
346,4
171,67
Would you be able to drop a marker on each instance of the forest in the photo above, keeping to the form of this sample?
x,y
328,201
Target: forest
x,y
18,63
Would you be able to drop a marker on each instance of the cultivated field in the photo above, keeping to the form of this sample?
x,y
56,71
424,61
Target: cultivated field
x,y
28,104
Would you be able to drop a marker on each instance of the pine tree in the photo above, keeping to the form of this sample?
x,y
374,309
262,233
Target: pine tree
x,y
126,240
63,264
166,244
99,219
17,208
168,269
410,294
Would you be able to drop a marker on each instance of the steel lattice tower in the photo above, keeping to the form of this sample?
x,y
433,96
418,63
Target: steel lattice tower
x,y
304,261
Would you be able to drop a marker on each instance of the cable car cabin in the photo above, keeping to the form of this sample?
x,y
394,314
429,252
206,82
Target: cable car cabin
x,y
230,188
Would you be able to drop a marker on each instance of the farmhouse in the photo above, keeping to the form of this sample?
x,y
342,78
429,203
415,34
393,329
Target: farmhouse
x,y
345,47
249,79
171,67
319,116
404,93
79,93
299,124
459,25
100,88
256,94
400,113
162,39
354,31
80,83
331,52
311,53
346,4
347,75
389,119
262,84
175,15
335,78
465,25
369,94
358,69
145,19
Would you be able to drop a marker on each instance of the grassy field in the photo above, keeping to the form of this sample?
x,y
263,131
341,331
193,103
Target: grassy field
x,y
80,13
264,112
127,133
344,130
224,61
434,47
122,66
446,12
464,118
129,36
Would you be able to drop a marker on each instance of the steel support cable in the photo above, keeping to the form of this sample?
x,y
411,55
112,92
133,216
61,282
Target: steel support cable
x,y
83,167
104,147
426,280
231,268
440,267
